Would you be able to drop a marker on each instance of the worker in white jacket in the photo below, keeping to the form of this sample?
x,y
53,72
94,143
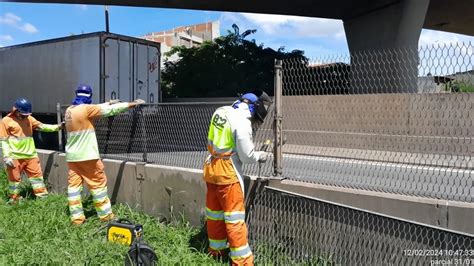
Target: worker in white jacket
x,y
230,144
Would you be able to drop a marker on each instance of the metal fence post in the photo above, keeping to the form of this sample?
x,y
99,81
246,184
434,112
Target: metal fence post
x,y
278,92
144,138
60,132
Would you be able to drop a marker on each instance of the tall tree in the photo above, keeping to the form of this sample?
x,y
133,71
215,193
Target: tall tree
x,y
228,65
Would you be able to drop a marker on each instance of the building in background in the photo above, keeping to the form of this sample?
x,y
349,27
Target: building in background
x,y
188,36
458,82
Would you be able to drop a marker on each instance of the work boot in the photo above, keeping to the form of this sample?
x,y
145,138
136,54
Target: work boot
x,y
15,201
108,218
78,222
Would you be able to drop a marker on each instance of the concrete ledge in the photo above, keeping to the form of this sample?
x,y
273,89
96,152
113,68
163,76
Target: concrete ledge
x,y
457,216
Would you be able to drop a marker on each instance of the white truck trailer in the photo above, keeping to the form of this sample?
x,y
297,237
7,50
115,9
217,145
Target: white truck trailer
x,y
47,72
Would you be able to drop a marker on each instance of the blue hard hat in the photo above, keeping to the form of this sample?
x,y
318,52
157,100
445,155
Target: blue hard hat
x,y
84,91
83,95
23,106
251,99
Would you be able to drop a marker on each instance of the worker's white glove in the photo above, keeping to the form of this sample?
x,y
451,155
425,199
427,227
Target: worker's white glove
x,y
263,156
114,101
138,101
9,162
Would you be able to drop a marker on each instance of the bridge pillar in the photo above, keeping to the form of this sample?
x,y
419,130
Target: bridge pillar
x,y
383,45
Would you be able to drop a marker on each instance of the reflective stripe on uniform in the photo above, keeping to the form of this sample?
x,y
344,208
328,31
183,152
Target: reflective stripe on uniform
x,y
99,195
219,150
82,146
104,212
101,202
37,182
21,147
217,244
13,188
240,252
74,193
48,128
234,217
214,215
113,109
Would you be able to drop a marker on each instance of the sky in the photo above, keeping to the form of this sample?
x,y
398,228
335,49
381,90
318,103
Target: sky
x,y
27,22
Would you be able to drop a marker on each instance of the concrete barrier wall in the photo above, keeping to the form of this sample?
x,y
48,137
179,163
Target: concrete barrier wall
x,y
164,192
179,193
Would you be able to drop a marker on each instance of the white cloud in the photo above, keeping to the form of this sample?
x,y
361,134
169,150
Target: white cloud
x,y
83,7
431,37
7,38
9,19
29,28
15,21
279,25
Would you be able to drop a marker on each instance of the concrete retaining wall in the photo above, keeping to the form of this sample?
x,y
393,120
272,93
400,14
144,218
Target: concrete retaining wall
x,y
164,192
427,124
179,193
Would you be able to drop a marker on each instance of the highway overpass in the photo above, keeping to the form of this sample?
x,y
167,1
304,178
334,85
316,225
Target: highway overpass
x,y
368,23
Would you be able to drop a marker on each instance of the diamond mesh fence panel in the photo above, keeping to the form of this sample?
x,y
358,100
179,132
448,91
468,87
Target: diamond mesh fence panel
x,y
288,229
397,121
173,134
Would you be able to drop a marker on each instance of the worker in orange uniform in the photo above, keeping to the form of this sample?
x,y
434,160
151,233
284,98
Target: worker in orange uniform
x,y
18,149
82,153
230,144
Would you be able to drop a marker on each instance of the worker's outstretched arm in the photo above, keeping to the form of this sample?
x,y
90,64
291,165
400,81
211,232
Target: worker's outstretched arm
x,y
244,143
37,125
111,109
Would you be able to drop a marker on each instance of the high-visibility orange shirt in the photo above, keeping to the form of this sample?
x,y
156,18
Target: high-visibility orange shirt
x,y
17,136
81,138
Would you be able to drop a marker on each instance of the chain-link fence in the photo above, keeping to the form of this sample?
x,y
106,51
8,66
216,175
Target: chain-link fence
x,y
372,121
398,121
293,229
171,134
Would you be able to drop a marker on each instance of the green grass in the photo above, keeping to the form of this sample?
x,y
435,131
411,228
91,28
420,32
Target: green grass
x,y
39,232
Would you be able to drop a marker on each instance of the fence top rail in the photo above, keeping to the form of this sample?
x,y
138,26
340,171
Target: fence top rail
x,y
174,104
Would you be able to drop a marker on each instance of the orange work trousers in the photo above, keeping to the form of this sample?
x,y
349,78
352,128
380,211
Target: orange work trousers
x,y
92,172
32,168
226,228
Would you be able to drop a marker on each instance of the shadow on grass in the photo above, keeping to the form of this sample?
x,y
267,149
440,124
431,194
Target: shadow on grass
x,y
26,190
200,243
